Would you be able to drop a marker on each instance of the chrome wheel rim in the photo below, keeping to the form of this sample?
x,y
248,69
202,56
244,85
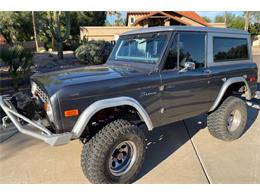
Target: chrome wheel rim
x,y
234,120
122,158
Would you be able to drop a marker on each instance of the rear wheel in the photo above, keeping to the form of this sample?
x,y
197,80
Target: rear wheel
x,y
228,122
115,154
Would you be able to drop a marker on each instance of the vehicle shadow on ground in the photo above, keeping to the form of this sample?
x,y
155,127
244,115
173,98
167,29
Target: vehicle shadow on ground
x,y
164,141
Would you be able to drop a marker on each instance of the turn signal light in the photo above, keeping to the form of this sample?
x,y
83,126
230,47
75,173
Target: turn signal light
x,y
70,113
252,79
45,106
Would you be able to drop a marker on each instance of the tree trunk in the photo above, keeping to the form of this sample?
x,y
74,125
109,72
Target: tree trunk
x,y
68,25
247,14
34,32
225,18
58,35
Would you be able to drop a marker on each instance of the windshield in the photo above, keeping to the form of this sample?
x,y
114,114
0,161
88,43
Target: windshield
x,y
147,49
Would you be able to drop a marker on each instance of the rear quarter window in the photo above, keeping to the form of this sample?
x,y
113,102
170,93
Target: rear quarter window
x,y
230,49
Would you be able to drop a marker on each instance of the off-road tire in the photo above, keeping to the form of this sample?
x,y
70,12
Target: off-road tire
x,y
217,120
96,153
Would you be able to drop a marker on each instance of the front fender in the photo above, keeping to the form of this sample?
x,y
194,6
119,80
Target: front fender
x,y
107,103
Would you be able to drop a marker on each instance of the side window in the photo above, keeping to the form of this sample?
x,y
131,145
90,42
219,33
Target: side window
x,y
171,60
192,49
228,49
186,47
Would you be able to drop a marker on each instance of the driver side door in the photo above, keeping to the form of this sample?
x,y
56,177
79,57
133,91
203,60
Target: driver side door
x,y
184,91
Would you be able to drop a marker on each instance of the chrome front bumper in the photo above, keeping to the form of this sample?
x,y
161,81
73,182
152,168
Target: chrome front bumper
x,y
33,128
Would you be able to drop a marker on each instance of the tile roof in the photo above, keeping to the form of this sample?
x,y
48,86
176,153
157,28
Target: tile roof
x,y
188,14
193,16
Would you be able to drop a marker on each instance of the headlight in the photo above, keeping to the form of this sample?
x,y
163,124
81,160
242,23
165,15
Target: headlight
x,y
48,109
33,88
39,93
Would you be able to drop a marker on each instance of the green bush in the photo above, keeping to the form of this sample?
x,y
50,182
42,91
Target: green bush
x,y
94,52
19,61
71,44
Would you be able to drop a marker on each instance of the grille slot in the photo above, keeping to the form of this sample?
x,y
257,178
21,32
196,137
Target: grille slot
x,y
41,94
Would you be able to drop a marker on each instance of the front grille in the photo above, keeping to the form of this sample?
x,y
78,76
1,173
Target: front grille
x,y
41,94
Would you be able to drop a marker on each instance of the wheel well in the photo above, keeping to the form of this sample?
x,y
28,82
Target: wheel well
x,y
105,116
235,89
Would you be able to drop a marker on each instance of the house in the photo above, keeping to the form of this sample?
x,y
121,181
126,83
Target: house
x,y
106,33
165,18
140,19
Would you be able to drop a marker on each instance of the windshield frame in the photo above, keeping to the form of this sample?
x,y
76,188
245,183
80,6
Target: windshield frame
x,y
143,35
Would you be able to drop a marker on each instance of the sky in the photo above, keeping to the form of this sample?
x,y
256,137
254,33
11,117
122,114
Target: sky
x,y
210,14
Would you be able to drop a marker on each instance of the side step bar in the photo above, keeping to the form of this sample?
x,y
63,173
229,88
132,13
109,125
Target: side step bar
x,y
33,129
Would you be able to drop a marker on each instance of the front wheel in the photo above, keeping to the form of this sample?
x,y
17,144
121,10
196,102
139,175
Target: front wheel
x,y
228,122
115,154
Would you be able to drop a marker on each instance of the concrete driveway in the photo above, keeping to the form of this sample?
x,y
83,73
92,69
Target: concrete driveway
x,y
183,152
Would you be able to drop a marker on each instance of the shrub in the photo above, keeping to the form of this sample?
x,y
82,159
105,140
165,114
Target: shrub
x,y
94,52
19,61
71,44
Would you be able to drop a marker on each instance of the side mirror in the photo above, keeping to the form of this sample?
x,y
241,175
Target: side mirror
x,y
188,66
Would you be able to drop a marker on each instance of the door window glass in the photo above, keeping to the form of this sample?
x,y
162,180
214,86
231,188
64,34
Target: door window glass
x,y
192,49
186,47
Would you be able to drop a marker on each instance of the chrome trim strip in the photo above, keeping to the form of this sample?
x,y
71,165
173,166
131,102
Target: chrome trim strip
x,y
107,103
225,87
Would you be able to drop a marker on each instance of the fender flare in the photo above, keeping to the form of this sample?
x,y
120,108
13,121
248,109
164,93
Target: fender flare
x,y
108,103
226,85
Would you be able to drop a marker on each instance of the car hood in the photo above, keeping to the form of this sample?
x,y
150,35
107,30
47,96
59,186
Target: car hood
x,y
53,81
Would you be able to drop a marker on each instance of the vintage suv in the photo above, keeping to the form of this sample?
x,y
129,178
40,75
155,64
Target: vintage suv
x,y
154,76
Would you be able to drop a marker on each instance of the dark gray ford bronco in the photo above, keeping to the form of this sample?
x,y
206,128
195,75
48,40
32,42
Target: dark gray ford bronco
x,y
154,76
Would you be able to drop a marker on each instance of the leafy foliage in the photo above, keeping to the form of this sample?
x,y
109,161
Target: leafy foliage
x,y
206,18
232,20
254,29
94,52
19,61
16,26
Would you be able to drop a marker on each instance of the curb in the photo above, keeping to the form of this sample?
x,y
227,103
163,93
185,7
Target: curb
x,y
6,133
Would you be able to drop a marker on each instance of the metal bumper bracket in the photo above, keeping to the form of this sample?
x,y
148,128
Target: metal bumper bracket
x,y
33,129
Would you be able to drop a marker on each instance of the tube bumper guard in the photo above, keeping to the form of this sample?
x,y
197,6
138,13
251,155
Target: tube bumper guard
x,y
33,128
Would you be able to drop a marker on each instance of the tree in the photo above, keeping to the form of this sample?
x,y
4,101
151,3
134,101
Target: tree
x,y
206,18
247,20
57,34
254,29
119,21
35,32
19,61
8,26
78,19
52,28
16,26
232,20
115,17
